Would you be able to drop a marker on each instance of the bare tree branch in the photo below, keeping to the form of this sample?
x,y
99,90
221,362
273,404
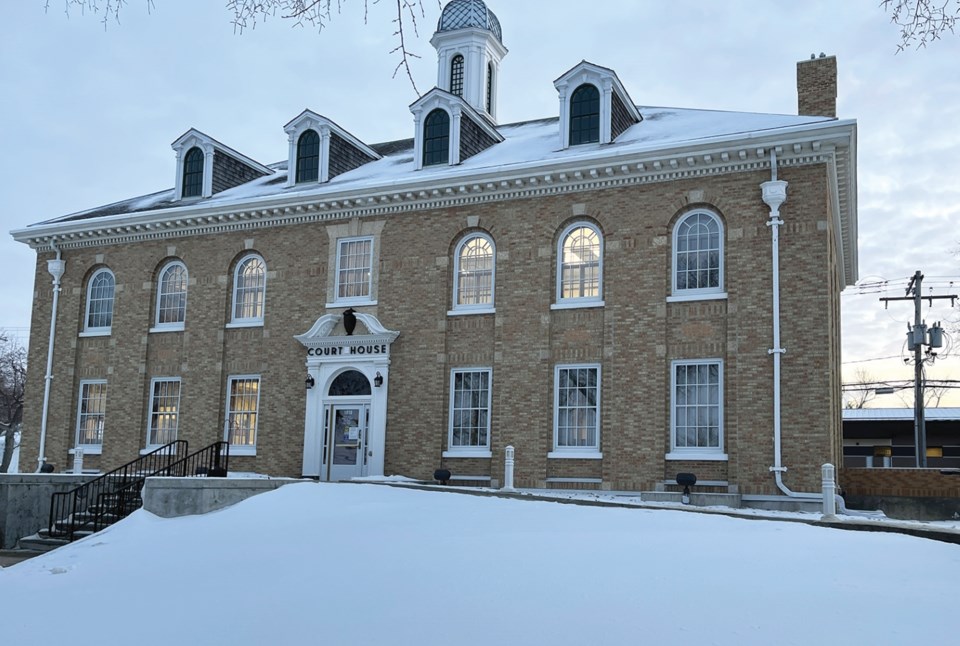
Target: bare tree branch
x,y
922,22
315,13
13,376
859,397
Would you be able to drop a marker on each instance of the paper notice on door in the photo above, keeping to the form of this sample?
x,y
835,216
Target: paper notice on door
x,y
353,433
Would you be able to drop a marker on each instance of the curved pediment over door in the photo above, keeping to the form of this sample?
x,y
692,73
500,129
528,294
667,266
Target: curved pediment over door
x,y
329,333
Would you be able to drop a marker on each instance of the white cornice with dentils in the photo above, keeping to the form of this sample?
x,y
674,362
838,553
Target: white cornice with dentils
x,y
832,143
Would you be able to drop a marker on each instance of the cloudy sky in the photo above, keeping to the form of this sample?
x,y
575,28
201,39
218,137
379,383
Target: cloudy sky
x,y
87,115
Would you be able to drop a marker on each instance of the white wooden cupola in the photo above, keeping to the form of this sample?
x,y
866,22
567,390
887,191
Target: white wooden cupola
x,y
469,44
320,150
594,106
205,166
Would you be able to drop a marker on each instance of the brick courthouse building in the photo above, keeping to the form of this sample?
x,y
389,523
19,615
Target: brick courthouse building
x,y
611,290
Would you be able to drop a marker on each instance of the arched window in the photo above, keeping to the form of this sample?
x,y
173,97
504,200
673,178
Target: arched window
x,y
308,157
580,264
249,288
436,138
698,254
456,75
474,269
100,292
351,383
585,115
193,173
172,296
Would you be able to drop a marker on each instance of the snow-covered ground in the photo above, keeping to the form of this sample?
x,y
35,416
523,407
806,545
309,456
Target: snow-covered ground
x,y
356,564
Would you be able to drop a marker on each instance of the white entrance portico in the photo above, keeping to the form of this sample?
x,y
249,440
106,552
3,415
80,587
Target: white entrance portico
x,y
346,417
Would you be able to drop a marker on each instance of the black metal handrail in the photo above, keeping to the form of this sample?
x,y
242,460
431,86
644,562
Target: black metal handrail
x,y
210,461
113,489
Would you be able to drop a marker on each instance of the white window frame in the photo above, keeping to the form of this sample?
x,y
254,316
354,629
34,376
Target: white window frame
x,y
98,330
695,453
90,449
575,452
706,293
170,326
241,449
474,308
248,321
468,451
578,301
353,300
153,393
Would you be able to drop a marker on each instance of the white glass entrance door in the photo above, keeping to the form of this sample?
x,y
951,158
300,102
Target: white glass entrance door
x,y
347,441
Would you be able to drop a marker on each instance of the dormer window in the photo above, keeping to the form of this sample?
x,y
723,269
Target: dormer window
x,y
320,150
585,115
436,138
449,130
456,75
594,106
308,157
206,167
193,173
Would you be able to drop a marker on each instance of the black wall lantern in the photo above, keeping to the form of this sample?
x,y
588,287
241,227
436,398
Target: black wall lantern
x,y
686,480
378,380
309,382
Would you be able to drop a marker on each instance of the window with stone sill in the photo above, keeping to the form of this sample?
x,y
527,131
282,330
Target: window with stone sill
x,y
474,272
243,407
172,297
580,265
470,396
354,270
91,415
164,416
249,290
698,255
696,411
577,409
98,317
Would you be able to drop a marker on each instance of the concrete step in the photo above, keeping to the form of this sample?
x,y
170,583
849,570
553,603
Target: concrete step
x,y
12,557
38,543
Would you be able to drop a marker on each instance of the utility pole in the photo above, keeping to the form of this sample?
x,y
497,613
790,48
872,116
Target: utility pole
x,y
918,336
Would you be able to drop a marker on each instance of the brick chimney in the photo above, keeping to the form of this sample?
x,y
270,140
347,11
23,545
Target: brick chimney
x,y
817,86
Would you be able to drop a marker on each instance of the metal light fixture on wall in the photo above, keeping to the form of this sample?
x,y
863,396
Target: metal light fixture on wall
x,y
378,380
309,382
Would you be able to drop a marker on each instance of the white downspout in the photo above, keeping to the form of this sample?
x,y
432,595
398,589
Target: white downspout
x,y
56,268
774,194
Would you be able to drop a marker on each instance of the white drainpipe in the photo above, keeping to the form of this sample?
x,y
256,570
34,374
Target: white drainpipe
x,y
56,268
775,194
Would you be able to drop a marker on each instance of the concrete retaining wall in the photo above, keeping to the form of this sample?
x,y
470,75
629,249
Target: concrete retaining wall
x,y
172,497
25,502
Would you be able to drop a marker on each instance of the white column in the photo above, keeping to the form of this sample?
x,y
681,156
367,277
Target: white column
x,y
829,492
508,470
78,461
292,164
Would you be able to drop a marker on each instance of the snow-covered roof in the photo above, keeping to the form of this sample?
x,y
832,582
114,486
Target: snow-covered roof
x,y
670,143
894,414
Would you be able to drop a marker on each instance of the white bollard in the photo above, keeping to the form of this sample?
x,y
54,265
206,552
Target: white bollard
x,y
78,461
829,492
508,470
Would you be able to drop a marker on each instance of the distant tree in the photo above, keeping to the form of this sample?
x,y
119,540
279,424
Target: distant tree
x,y
922,22
13,373
861,391
315,13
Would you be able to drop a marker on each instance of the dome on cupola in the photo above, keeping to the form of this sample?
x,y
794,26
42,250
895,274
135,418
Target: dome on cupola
x,y
466,14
